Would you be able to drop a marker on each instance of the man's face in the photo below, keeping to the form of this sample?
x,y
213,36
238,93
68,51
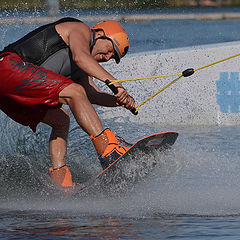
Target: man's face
x,y
103,50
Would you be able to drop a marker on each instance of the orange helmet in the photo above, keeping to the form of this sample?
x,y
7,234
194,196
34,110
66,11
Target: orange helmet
x,y
116,33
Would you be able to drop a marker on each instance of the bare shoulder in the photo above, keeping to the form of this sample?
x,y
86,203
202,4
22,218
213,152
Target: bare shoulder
x,y
66,28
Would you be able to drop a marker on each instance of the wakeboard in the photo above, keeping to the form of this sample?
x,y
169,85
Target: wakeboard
x,y
122,173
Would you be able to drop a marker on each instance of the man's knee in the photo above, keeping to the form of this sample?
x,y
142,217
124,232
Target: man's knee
x,y
58,119
72,92
64,119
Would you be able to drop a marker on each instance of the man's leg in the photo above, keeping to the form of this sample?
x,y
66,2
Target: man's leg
x,y
75,96
105,142
59,120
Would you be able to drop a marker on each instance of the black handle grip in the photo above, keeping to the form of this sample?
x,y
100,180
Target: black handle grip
x,y
134,111
112,87
115,91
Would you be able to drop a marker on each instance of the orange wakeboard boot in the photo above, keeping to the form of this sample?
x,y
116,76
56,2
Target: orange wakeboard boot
x,y
108,147
62,176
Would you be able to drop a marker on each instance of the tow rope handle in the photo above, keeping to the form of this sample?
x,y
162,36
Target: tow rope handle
x,y
115,91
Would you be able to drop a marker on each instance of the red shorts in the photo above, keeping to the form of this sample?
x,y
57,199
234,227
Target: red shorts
x,y
27,91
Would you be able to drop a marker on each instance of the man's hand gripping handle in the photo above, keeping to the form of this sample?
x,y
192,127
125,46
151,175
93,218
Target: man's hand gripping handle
x,y
115,91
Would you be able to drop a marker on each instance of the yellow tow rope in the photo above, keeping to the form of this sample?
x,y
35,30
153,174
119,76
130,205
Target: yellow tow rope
x,y
188,72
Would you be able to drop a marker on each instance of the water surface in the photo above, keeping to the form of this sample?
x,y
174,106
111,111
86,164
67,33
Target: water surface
x,y
192,193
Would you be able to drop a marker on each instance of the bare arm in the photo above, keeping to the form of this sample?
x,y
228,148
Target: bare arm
x,y
96,96
78,38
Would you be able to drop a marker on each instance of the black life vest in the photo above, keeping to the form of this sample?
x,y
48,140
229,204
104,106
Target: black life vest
x,y
38,45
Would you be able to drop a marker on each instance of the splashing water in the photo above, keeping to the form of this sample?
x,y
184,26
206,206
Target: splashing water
x,y
199,175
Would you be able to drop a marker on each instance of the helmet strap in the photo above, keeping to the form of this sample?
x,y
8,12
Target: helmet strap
x,y
93,40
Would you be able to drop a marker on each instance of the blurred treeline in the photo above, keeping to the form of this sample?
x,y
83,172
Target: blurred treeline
x,y
121,4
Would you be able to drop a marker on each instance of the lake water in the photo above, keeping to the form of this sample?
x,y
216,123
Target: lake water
x,y
192,193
